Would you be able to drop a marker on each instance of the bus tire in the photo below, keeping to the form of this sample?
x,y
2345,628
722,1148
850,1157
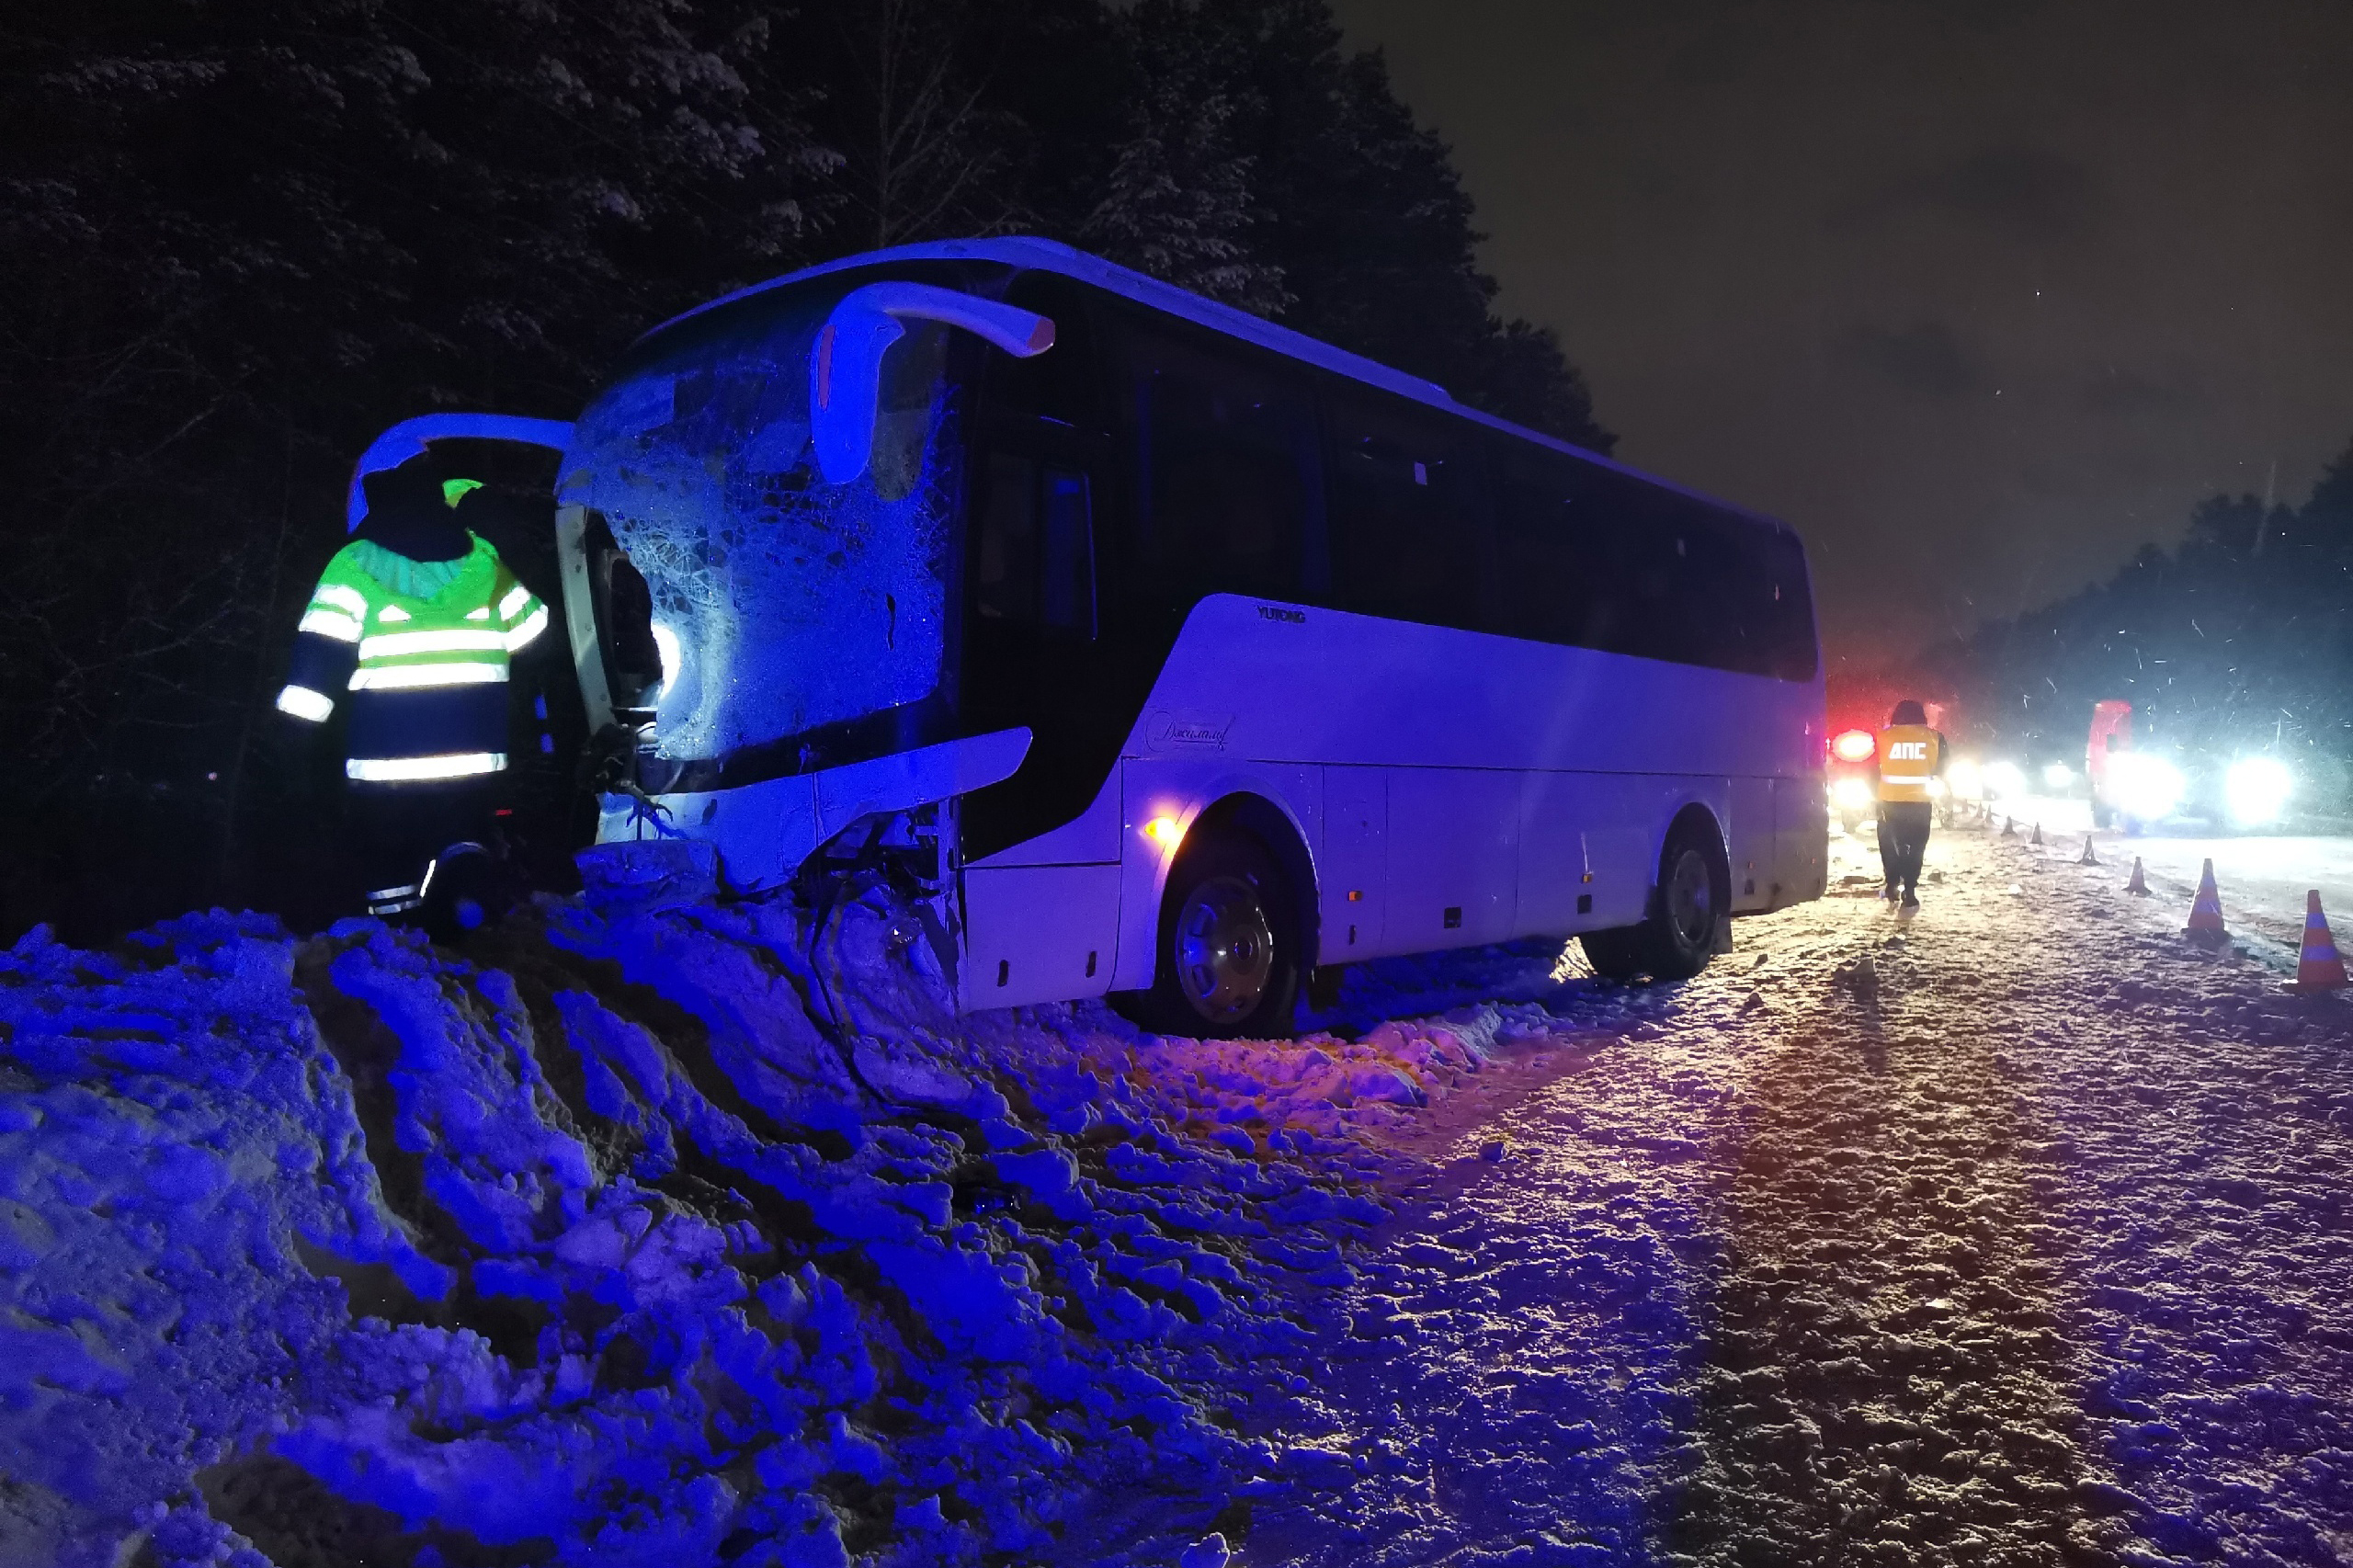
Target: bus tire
x,y
1675,940
1227,965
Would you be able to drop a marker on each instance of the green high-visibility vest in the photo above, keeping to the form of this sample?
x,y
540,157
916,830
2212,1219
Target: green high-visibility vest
x,y
380,625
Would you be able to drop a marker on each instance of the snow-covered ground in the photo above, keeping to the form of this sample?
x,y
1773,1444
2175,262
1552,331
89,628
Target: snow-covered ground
x,y
2014,1233
2263,876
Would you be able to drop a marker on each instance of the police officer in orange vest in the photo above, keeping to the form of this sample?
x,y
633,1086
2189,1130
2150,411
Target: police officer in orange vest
x,y
1910,754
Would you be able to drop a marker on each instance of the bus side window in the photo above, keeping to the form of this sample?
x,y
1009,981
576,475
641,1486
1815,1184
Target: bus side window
x,y
1703,595
1036,562
1227,495
1665,614
1795,653
1406,534
1554,575
1596,558
1750,575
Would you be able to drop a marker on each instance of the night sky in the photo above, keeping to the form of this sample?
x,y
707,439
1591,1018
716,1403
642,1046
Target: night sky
x,y
1980,296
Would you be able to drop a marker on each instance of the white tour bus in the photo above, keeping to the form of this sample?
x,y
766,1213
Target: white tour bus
x,y
1182,655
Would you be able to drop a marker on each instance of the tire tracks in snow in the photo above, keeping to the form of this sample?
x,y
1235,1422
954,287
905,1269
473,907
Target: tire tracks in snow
x,y
1886,1381
2204,1126
2030,1244
1507,1377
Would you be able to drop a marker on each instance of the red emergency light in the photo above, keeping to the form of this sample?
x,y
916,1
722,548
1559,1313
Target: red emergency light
x,y
1854,745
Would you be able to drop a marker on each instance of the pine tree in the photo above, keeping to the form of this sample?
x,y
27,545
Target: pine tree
x,y
1232,147
2328,514
2222,645
1362,214
1179,200
236,239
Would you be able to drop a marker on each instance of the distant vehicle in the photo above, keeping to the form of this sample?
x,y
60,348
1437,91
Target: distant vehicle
x,y
2111,734
1854,777
1182,655
2141,789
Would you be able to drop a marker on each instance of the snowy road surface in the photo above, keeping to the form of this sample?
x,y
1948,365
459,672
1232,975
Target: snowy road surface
x,y
2015,1233
2263,880
678,1229
2263,876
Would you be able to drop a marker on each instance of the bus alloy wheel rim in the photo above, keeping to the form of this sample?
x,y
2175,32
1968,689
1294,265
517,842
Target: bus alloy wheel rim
x,y
1690,897
1225,948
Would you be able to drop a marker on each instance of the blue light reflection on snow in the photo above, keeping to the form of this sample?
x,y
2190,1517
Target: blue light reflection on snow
x,y
793,603
473,1252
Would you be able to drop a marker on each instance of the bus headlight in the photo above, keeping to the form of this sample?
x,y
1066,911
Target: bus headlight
x,y
666,647
2146,789
2256,790
1851,794
2005,778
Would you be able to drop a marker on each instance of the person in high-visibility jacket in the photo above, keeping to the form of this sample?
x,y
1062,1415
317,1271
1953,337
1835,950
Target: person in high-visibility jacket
x,y
1910,754
415,623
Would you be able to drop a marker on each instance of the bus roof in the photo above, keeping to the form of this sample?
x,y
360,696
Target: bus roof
x,y
1053,256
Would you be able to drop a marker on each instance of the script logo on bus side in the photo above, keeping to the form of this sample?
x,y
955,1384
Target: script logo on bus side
x,y
1190,729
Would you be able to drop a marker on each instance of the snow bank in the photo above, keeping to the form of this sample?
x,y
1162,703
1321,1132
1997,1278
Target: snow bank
x,y
652,1231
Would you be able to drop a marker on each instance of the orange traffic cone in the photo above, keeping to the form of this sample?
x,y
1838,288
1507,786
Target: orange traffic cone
x,y
2205,926
2136,885
2089,858
2317,966
2037,839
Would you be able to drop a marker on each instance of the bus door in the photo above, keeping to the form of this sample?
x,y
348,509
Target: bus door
x,y
1040,850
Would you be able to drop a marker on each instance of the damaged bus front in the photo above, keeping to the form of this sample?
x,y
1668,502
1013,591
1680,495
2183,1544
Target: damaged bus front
x,y
757,523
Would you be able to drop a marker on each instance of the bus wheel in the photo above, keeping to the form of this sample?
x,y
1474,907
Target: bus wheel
x,y
1675,941
1228,946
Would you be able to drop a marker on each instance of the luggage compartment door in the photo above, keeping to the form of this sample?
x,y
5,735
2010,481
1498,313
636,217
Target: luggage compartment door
x,y
1801,839
1038,933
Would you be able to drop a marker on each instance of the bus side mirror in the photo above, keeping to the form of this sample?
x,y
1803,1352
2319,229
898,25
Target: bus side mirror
x,y
845,362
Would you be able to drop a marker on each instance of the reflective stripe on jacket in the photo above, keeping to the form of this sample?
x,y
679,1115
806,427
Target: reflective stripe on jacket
x,y
424,649
1909,755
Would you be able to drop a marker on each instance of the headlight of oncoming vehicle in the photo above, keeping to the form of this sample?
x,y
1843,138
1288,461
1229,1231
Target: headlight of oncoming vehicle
x,y
2256,790
1965,780
2005,778
1851,794
2147,789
